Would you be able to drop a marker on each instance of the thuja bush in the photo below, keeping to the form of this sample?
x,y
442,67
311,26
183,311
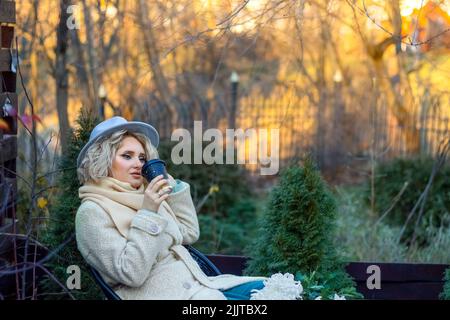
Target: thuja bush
x,y
297,230
61,225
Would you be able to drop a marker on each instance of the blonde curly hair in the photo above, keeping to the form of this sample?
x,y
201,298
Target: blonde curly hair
x,y
103,151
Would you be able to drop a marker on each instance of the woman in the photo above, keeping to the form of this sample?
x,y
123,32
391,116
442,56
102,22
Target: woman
x,y
133,234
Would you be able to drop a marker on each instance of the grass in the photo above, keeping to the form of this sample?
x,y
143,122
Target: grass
x,y
363,238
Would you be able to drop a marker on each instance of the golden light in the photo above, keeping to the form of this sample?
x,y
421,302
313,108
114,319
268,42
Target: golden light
x,y
407,6
445,5
111,11
376,13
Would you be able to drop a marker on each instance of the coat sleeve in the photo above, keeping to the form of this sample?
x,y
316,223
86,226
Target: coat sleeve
x,y
182,205
125,261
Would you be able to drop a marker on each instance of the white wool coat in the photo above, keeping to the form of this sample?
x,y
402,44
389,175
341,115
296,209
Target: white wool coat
x,y
151,263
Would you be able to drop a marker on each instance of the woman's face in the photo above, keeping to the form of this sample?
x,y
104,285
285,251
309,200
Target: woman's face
x,y
128,161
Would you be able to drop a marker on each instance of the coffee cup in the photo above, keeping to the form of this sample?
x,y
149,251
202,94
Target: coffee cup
x,y
153,168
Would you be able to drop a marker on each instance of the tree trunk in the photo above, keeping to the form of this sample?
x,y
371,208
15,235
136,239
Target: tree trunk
x,y
152,53
323,99
61,74
83,80
92,59
403,88
399,94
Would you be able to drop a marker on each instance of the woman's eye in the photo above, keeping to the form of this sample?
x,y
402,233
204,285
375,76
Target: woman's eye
x,y
128,157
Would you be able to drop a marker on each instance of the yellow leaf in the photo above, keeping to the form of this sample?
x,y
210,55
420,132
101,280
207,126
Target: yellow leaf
x,y
103,5
42,202
214,188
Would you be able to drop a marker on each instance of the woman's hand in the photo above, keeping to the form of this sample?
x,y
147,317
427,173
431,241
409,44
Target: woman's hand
x,y
172,181
152,197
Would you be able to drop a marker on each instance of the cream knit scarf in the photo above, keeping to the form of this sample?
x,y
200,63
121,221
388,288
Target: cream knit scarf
x,y
119,199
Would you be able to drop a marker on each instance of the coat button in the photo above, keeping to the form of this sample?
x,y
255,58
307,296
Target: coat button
x,y
154,228
186,285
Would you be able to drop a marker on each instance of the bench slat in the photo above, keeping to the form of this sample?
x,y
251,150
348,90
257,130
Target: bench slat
x,y
398,280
